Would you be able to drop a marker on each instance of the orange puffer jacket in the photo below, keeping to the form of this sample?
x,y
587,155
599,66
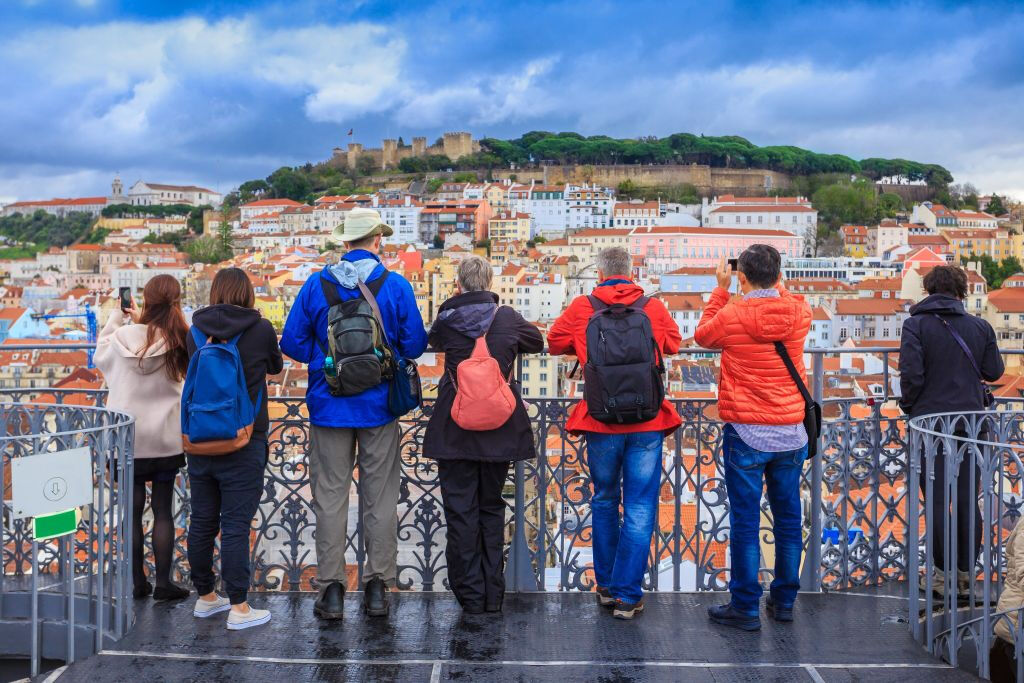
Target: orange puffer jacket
x,y
755,387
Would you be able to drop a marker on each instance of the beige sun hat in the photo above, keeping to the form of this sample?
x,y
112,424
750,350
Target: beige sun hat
x,y
359,223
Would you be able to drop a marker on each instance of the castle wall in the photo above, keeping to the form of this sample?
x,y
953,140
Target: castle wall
x,y
706,179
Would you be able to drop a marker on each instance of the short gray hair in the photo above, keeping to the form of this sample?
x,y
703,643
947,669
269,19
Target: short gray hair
x,y
615,261
474,274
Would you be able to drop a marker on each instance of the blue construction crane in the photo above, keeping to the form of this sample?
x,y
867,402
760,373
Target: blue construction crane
x,y
90,326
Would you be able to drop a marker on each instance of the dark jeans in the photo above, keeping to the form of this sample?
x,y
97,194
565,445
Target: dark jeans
x,y
475,514
967,514
747,471
226,491
624,467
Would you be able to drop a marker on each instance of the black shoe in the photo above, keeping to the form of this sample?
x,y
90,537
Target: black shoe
x,y
171,591
627,610
141,590
331,603
777,612
604,597
727,616
472,609
493,606
375,598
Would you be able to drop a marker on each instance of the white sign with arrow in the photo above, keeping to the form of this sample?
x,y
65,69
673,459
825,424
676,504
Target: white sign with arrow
x,y
45,483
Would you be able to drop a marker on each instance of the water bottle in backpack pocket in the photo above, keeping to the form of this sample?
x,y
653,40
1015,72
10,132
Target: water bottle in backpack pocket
x,y
623,375
217,413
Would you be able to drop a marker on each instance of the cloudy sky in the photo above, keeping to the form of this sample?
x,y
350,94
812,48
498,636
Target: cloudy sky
x,y
218,92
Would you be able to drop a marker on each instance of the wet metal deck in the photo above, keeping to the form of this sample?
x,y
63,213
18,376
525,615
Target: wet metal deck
x,y
560,637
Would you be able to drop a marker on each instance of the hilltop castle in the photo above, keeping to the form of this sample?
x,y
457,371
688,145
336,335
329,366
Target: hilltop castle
x,y
452,145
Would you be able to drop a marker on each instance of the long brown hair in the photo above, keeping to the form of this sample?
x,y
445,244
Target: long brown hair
x,y
232,286
161,312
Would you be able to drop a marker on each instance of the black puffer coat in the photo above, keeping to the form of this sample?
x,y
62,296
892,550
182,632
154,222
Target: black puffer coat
x,y
935,374
460,321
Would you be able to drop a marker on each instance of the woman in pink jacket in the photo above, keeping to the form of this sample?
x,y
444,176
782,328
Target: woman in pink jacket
x,y
144,360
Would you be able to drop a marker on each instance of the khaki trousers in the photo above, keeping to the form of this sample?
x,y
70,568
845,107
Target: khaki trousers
x,y
332,456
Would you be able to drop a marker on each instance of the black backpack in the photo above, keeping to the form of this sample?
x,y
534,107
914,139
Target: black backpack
x,y
624,370
357,355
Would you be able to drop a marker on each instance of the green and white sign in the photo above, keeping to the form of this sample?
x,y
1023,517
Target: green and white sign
x,y
45,527
50,486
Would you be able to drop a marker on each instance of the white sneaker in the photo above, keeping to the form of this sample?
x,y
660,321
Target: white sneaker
x,y
254,617
206,608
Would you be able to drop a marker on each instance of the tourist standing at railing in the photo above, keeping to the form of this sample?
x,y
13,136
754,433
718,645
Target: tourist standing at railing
x,y
141,353
764,442
226,489
473,459
624,417
348,404
945,353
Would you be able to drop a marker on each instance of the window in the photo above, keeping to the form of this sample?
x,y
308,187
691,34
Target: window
x,y
760,219
543,391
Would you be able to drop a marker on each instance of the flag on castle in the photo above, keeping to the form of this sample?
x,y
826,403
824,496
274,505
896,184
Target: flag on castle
x,y
350,132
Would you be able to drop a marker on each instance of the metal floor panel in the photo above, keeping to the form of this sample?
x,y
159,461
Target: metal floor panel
x,y
560,637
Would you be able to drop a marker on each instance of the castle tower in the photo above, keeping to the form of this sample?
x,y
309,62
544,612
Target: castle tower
x,y
338,152
389,153
457,145
419,147
354,150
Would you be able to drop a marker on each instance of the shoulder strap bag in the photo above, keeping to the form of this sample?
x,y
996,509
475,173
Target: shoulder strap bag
x,y
812,409
987,396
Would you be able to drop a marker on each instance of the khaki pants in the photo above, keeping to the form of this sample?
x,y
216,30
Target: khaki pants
x,y
332,456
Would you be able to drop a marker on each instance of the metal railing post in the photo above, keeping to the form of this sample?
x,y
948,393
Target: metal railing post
x,y
811,578
519,574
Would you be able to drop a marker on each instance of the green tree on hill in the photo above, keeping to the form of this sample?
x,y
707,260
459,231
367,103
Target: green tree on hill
x,y
841,203
996,207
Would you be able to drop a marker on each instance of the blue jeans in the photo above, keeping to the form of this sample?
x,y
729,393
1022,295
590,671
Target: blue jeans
x,y
746,472
226,492
626,467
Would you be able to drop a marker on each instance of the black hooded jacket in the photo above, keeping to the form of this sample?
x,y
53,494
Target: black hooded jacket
x,y
935,374
261,356
460,322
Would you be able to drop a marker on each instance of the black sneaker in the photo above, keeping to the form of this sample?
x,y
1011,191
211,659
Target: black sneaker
x,y
604,597
777,612
331,603
727,616
375,598
627,610
141,590
171,591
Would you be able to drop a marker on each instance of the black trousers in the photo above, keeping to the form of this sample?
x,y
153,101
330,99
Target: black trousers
x,y
475,512
226,492
966,508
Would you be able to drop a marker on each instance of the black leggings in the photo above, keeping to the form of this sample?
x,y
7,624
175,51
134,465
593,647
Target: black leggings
x,y
163,531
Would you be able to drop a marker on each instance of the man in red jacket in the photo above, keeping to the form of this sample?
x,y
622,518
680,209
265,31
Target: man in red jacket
x,y
626,453
764,438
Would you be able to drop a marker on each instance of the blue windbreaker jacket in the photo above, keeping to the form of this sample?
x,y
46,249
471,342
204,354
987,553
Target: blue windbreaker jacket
x,y
307,322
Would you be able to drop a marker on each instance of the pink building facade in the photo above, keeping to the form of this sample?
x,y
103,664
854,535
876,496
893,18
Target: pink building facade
x,y
668,248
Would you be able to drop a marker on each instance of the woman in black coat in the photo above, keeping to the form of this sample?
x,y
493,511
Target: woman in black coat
x,y
938,376
473,466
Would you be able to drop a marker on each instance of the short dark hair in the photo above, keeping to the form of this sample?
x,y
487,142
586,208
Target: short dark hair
x,y
232,286
948,280
762,265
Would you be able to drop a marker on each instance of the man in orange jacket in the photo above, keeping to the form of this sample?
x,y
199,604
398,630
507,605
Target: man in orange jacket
x,y
624,459
764,440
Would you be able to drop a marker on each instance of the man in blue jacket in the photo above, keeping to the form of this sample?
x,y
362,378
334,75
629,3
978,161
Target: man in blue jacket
x,y
340,423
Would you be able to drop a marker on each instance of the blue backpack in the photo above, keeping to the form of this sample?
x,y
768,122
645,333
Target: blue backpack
x,y
217,413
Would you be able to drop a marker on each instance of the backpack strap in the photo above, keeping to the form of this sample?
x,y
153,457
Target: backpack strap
x,y
330,292
198,337
597,304
372,300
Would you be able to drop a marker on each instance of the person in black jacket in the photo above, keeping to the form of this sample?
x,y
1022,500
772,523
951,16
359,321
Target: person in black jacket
x,y
936,376
473,465
226,489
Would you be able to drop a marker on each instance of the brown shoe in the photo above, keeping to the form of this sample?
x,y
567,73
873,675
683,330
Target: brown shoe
x,y
628,610
604,597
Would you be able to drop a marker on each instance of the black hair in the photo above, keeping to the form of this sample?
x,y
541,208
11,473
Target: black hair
x,y
948,280
761,264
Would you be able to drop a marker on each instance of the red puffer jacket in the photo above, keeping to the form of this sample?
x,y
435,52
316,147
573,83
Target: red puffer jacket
x,y
755,387
568,335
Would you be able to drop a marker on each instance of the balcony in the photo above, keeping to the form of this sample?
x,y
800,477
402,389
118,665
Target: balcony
x,y
851,619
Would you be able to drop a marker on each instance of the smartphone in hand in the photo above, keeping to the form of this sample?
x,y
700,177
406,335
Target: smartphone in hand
x,y
125,295
733,264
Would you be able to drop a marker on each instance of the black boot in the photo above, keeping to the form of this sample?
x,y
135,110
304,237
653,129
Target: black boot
x,y
141,590
375,598
331,603
171,591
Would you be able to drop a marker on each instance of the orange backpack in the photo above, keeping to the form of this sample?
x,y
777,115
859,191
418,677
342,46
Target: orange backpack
x,y
483,398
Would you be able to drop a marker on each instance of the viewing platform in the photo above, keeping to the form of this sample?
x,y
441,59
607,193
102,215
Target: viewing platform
x,y
853,618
